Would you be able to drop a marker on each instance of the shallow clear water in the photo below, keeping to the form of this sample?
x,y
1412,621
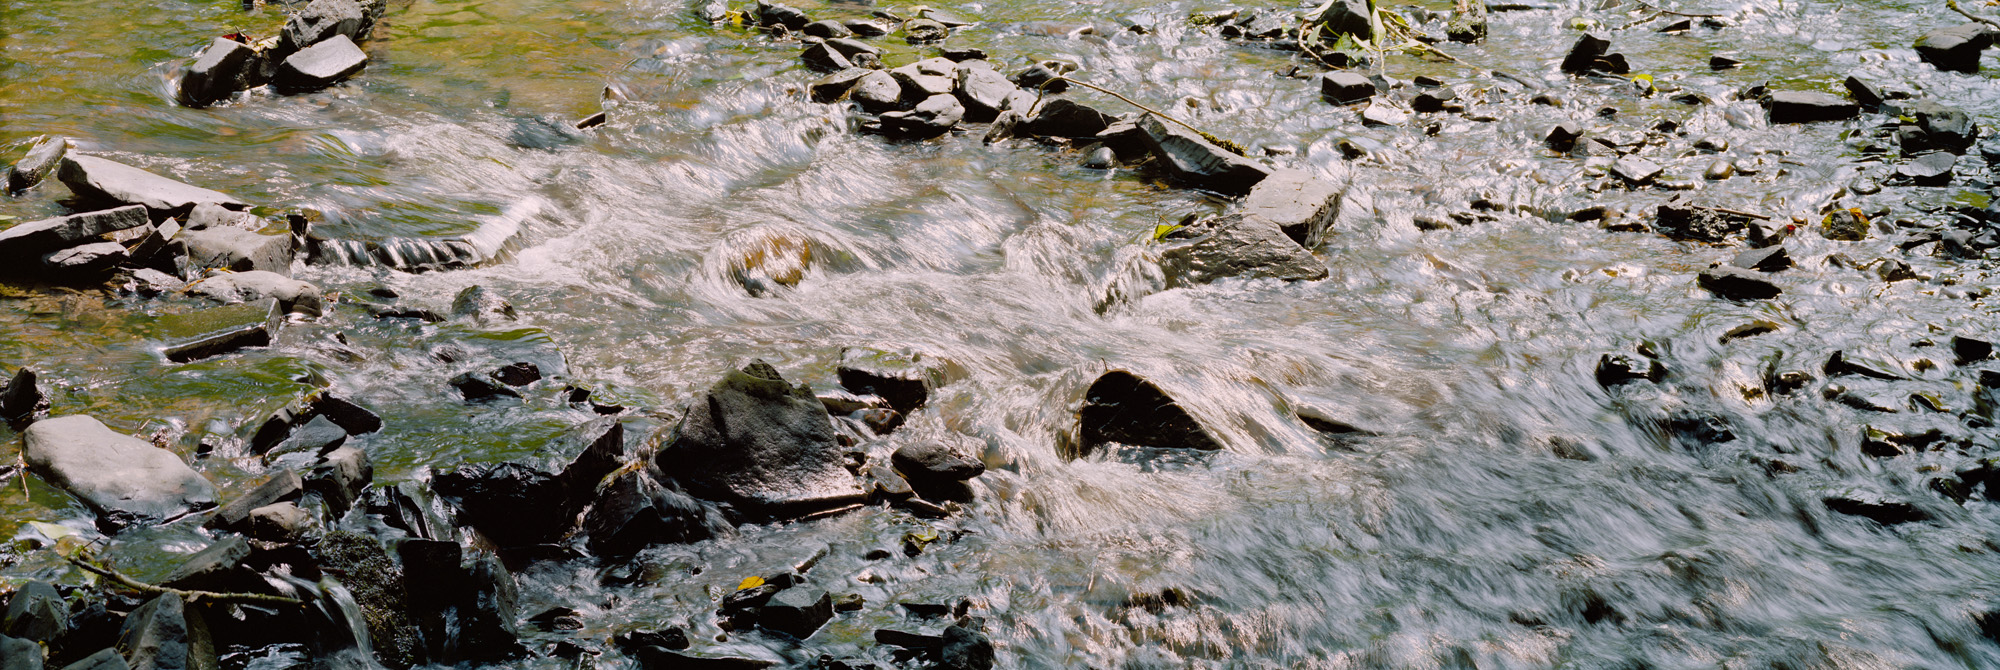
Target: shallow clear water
x,y
1454,538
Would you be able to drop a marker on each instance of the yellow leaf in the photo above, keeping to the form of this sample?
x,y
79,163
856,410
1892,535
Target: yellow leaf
x,y
750,582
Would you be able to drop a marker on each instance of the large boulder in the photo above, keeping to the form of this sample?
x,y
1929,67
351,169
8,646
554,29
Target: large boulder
x,y
104,181
122,478
761,444
167,634
1193,161
19,654
1304,206
1124,408
1955,49
35,239
798,611
1236,245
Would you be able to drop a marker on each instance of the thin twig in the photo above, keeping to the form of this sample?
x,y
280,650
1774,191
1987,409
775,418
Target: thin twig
x,y
1733,212
1130,101
1953,4
189,596
1644,19
1686,14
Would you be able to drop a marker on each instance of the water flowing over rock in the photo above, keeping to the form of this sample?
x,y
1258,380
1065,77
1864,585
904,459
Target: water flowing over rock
x,y
1124,408
755,441
1236,245
1194,161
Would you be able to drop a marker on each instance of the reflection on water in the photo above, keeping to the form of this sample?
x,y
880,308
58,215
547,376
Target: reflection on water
x,y
1454,536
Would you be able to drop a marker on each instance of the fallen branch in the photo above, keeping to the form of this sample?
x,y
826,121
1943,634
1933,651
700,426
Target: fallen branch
x,y
1733,212
1686,14
1953,4
189,596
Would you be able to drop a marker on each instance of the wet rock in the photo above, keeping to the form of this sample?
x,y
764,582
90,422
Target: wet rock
x,y
225,67
318,435
770,14
1193,161
884,484
937,471
934,116
1841,364
827,29
283,522
1236,245
1348,17
1892,270
1381,113
672,637
905,381
798,611
35,612
108,659
1616,369
167,634
1045,77
319,21
962,54
924,31
965,649
852,49
926,78
510,503
518,374
1719,170
1099,157
1767,259
1061,117
1123,408
984,92
1343,87
634,512
339,476
117,475
756,441
235,250
382,597
877,92
1584,54
1879,509
1302,205
1562,138
660,658
292,295
825,59
1968,350
482,306
351,418
222,330
33,240
835,87
1636,171
464,608
284,486
1931,169
88,261
320,65
1737,284
1847,225
151,248
210,215
1809,107
22,399
19,654
103,181
1955,49
1440,100
1939,128
1683,220
42,159
865,27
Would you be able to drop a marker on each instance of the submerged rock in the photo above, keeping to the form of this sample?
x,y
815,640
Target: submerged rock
x,y
1193,161
965,649
42,159
1124,408
1236,245
1737,284
1955,49
99,180
320,65
123,478
482,306
755,441
1616,369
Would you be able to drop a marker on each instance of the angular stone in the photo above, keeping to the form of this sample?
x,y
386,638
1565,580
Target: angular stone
x,y
1737,284
1122,407
114,473
1345,87
661,658
1940,128
925,31
757,442
101,180
1348,17
1810,107
1584,54
1955,49
635,512
512,504
292,295
1840,365
167,634
83,261
1563,137
904,381
834,87
218,567
933,464
853,48
339,476
1931,169
23,399
320,65
108,659
319,21
35,239
1236,245
798,611
35,612
1043,77
155,242
1635,170
214,332
236,250
1062,117
778,14
965,649
827,29
1768,259
934,116
225,67
1193,161
42,159
919,84
19,654
825,59
1682,220
877,92
983,91
284,486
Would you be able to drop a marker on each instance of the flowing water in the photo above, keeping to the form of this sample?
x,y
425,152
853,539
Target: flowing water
x,y
1450,534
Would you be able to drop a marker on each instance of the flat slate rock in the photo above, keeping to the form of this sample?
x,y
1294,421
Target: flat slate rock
x,y
236,250
113,472
1810,107
1124,408
41,160
107,181
213,332
83,261
37,238
1345,87
1237,245
1737,284
1302,204
1193,161
1955,49
320,65
758,442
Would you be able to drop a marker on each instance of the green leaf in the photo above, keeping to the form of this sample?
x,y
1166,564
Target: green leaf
x,y
1160,232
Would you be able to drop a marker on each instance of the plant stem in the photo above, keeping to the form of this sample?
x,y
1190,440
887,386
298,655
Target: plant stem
x,y
190,596
1130,101
1953,4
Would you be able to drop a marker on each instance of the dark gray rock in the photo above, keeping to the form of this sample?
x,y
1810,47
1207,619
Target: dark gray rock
x,y
22,400
936,471
339,476
798,611
1737,284
770,14
382,597
1562,138
757,442
36,612
108,659
35,239
1616,369
965,649
1955,49
284,486
88,261
319,21
827,29
1348,17
925,31
634,512
114,473
877,92
1723,63
1682,220
1846,225
1809,107
465,609
1635,170
225,67
154,243
934,116
98,180
1123,408
482,306
852,48
905,381
320,65
167,634
512,504
1062,117
518,374
42,159
217,567
1193,161
1345,87
1044,77
352,418
834,87
1940,128
1099,157
1236,245
661,658
1768,259
1930,169
19,654
235,249
1867,95
1840,364
315,437
1719,169
1885,511
928,77
825,59
983,91
865,27
885,484
222,330
1585,53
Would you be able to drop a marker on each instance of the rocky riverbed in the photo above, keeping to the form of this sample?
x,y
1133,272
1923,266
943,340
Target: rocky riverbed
x,y
1015,334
